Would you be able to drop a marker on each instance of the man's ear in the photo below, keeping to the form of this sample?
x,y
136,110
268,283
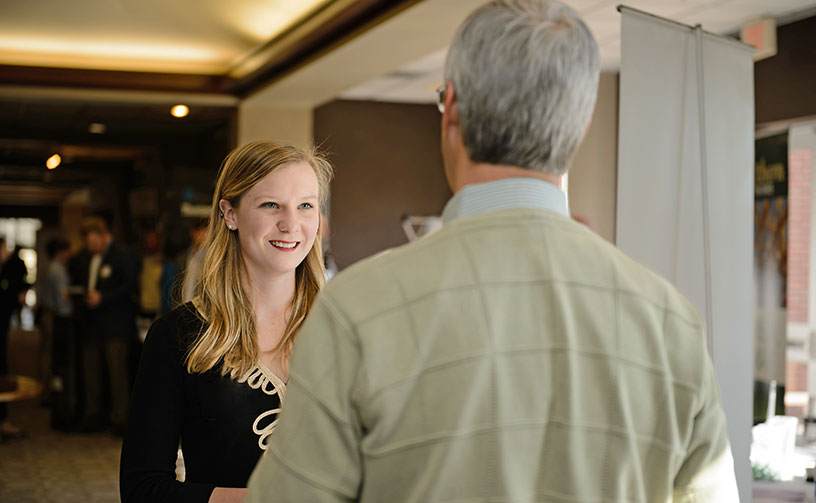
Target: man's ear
x,y
229,214
450,117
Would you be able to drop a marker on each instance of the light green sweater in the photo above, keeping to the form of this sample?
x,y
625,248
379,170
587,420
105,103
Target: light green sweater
x,y
513,356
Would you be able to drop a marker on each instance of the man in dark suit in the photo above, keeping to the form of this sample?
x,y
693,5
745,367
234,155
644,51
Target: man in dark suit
x,y
13,285
108,273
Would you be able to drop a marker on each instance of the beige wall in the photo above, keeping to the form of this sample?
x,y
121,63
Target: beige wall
x,y
387,164
264,122
593,175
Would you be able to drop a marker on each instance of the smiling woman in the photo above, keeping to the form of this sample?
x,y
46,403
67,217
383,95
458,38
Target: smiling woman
x,y
214,370
279,215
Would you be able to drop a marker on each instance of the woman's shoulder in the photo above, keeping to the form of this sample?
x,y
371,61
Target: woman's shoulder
x,y
182,316
181,326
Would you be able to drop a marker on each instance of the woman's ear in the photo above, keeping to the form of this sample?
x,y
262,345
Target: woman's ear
x,y
228,212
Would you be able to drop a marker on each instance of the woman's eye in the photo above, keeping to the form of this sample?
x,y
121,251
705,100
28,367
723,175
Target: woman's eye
x,y
269,205
306,206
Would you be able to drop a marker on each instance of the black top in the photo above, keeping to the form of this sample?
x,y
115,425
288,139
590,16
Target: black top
x,y
212,416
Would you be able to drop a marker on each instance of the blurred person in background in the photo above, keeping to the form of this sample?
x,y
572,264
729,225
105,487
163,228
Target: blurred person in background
x,y
55,312
108,273
150,276
191,261
170,281
213,371
13,286
59,322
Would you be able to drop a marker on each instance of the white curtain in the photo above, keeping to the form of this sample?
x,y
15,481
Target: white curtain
x,y
686,185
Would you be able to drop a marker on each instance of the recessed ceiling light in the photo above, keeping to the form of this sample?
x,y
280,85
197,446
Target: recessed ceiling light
x,y
179,111
97,128
53,161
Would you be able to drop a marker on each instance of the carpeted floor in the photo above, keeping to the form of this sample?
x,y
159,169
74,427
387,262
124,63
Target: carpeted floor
x,y
54,467
51,466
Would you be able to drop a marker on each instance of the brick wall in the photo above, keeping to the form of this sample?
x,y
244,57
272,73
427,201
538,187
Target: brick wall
x,y
799,195
796,376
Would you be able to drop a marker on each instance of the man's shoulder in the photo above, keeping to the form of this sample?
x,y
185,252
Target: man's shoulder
x,y
634,280
121,257
119,250
442,261
385,280
506,246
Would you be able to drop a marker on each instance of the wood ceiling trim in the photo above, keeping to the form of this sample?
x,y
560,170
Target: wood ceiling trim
x,y
109,79
285,53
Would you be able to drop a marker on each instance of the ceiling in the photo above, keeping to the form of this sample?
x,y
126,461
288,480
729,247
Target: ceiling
x,y
222,46
182,36
415,80
290,52
122,63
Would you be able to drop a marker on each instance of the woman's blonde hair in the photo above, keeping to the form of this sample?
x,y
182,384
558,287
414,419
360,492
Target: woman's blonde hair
x,y
230,336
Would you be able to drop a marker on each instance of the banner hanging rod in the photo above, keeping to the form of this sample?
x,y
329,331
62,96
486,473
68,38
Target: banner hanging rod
x,y
725,38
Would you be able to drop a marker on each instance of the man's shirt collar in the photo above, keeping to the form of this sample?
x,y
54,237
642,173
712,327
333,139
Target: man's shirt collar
x,y
505,194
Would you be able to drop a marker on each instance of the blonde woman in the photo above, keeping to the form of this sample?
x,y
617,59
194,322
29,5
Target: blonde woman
x,y
213,372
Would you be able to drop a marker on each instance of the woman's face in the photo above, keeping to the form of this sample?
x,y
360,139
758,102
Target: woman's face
x,y
277,219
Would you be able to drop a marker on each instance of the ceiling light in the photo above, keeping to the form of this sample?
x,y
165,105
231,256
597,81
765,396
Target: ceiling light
x,y
262,21
97,128
53,161
179,111
87,51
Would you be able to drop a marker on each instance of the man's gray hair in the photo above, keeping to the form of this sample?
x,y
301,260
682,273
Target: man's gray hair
x,y
525,74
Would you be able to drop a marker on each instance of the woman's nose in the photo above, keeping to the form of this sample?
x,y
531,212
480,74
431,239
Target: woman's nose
x,y
286,222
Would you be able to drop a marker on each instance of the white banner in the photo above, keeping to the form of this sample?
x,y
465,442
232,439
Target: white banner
x,y
686,189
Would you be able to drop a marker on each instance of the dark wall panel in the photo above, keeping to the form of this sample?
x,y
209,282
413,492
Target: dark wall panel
x,y
387,163
785,84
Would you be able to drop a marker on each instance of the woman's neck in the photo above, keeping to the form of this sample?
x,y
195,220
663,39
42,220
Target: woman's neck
x,y
270,295
271,298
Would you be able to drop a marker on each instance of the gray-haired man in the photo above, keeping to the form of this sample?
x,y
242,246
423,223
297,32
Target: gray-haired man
x,y
513,356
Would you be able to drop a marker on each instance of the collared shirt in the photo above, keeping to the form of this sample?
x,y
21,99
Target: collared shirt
x,y
96,261
505,194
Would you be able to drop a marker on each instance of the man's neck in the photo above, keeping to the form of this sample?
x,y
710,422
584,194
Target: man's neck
x,y
460,170
484,172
